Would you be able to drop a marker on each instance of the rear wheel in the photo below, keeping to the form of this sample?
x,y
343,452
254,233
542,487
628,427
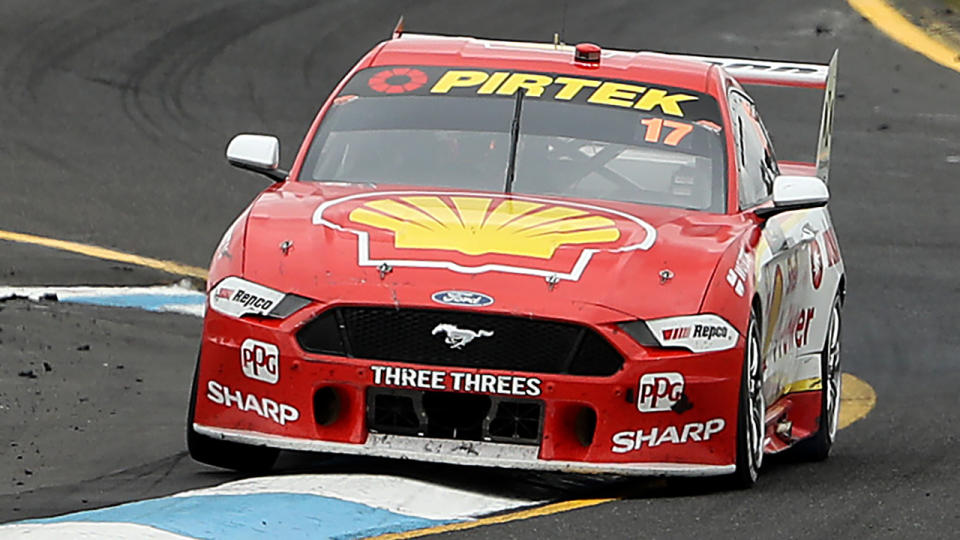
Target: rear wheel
x,y
225,454
817,447
751,424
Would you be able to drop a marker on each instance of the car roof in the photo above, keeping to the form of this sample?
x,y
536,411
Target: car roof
x,y
643,66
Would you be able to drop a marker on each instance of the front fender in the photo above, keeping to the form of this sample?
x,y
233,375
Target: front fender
x,y
228,257
731,289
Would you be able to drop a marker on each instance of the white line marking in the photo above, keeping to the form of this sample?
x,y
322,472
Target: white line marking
x,y
166,298
85,531
395,494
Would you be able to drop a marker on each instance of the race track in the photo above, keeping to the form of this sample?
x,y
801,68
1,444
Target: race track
x,y
113,121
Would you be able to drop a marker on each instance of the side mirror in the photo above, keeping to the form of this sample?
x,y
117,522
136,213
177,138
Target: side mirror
x,y
257,153
795,193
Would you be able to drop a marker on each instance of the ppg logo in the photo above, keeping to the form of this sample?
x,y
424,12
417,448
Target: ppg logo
x,y
260,361
659,391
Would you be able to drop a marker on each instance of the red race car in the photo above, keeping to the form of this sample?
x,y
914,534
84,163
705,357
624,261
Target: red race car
x,y
532,256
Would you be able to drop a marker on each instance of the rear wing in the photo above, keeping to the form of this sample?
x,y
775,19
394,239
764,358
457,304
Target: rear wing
x,y
765,73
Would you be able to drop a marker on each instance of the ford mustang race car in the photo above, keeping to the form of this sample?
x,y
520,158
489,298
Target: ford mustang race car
x,y
534,256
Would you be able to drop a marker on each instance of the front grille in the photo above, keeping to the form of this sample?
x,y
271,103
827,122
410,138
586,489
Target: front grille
x,y
462,417
409,335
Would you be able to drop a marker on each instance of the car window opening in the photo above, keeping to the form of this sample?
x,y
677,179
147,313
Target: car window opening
x,y
563,147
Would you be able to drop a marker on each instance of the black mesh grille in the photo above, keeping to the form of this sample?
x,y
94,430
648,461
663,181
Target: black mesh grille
x,y
447,415
407,336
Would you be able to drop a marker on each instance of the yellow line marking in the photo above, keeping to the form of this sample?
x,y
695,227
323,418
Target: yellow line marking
x,y
554,508
107,254
856,400
892,23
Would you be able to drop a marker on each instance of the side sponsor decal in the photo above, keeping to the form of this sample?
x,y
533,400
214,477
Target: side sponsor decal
x,y
458,381
793,334
659,391
472,234
279,413
260,361
833,248
793,272
774,303
801,329
737,276
816,264
633,440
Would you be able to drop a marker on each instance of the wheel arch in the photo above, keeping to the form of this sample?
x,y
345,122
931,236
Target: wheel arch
x,y
757,306
842,289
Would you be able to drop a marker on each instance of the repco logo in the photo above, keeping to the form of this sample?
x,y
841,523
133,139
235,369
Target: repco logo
x,y
251,300
659,391
704,331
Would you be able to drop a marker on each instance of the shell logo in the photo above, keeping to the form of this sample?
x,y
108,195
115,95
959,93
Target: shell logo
x,y
776,303
481,225
473,233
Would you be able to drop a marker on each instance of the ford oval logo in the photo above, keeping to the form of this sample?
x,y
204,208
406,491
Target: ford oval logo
x,y
462,298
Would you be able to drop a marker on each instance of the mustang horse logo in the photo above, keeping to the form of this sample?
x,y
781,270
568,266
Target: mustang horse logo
x,y
457,337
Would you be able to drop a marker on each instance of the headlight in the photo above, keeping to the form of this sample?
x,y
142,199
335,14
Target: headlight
x,y
238,297
697,333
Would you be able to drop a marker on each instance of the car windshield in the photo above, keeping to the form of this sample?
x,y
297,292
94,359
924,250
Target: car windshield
x,y
578,137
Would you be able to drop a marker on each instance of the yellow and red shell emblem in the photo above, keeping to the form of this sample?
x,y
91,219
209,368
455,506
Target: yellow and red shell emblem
x,y
474,233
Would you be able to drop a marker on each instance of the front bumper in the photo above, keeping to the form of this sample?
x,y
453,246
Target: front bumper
x,y
476,454
320,403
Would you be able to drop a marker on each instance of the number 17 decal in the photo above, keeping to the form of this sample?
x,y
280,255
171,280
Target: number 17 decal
x,y
655,126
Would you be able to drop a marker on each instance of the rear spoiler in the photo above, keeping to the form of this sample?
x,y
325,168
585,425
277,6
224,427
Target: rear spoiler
x,y
766,73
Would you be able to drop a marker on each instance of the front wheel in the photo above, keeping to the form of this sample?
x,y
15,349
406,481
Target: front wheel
x,y
751,418
225,454
817,447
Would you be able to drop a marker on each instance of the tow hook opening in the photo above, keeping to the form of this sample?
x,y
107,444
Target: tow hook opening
x,y
326,406
585,426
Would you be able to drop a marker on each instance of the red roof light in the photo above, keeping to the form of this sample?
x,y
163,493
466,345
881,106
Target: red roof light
x,y
587,52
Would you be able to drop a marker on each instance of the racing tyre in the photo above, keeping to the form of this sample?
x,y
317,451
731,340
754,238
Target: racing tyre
x,y
751,425
817,447
225,454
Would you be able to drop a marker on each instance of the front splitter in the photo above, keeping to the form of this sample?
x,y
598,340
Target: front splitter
x,y
471,453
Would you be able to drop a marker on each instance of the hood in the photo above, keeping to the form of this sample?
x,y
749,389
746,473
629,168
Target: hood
x,y
553,257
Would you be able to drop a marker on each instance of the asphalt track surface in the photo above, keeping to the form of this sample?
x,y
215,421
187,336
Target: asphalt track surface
x,y
113,120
